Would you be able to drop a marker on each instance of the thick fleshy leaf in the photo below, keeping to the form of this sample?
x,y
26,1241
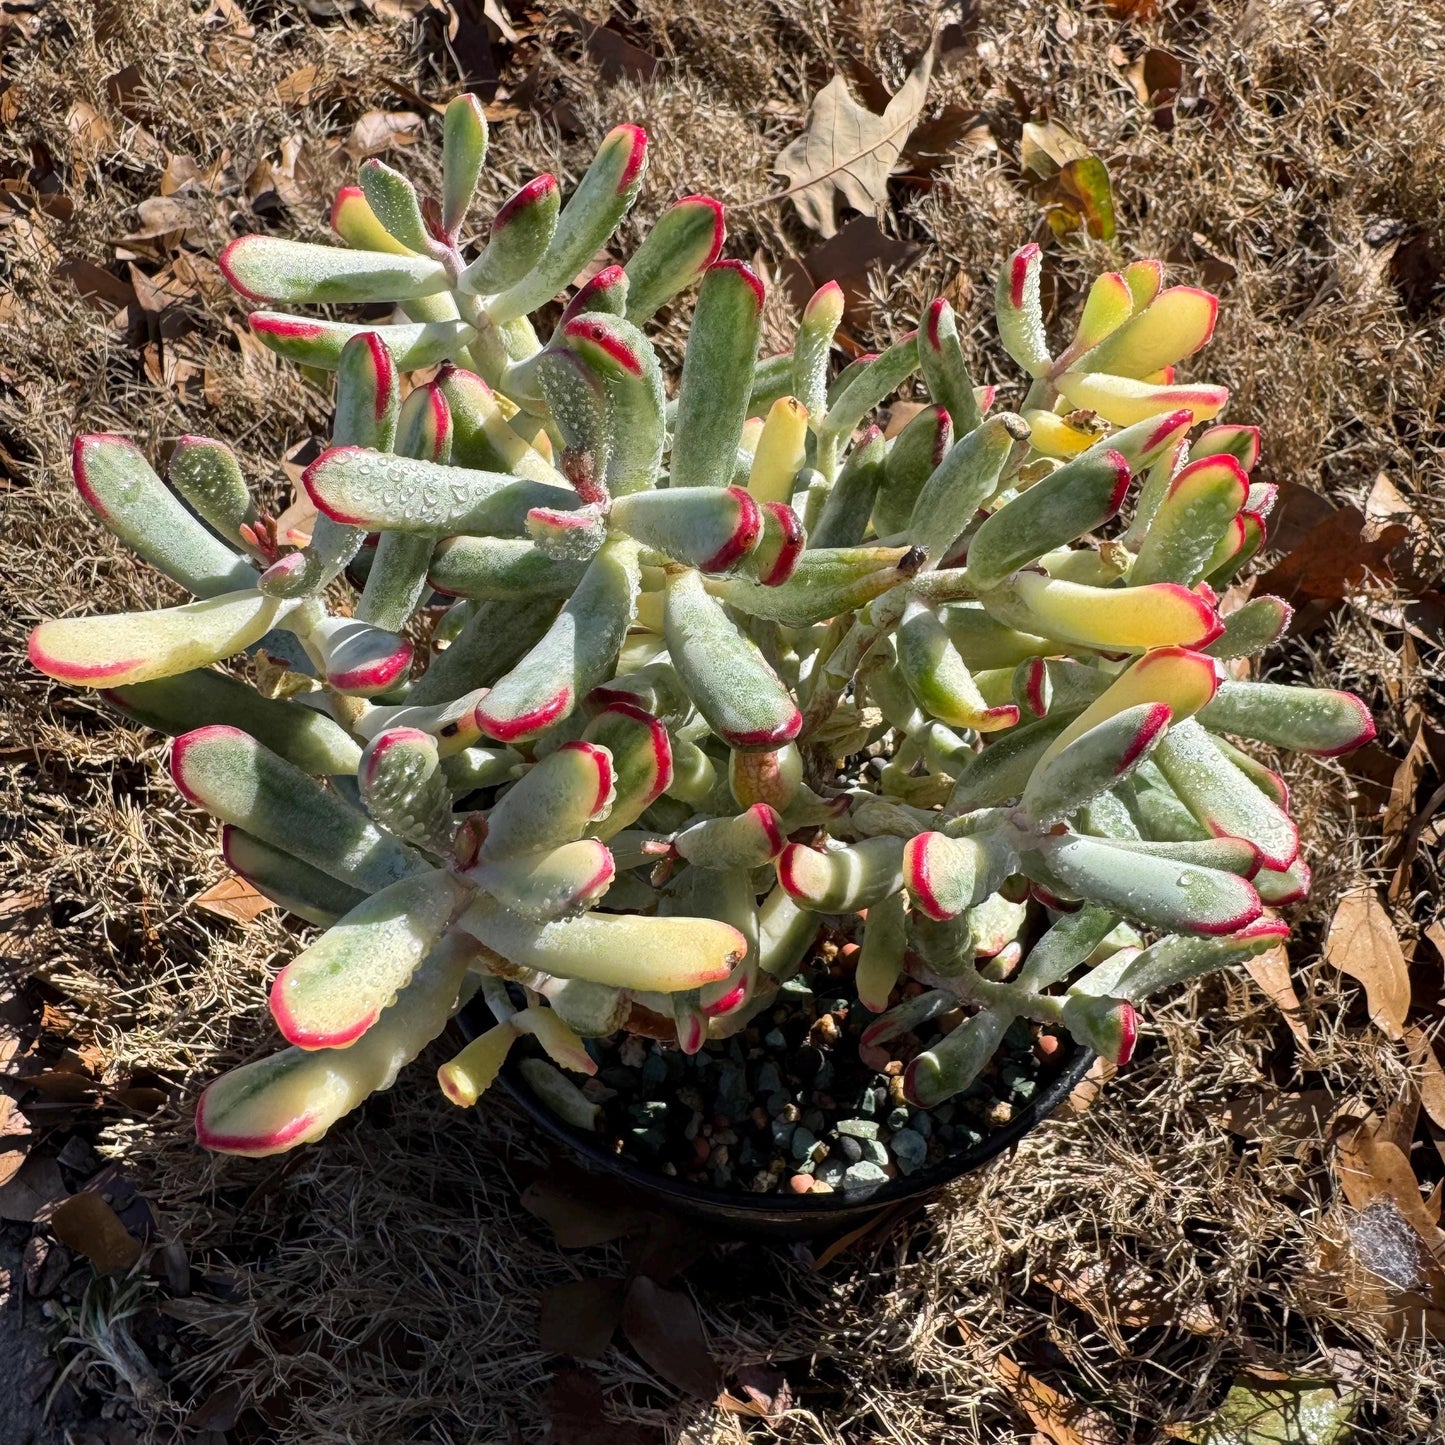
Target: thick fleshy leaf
x,y
471,768
236,779
1156,810
619,353
915,455
1019,311
493,641
1175,324
603,196
575,536
1094,761
843,521
1130,619
556,883
482,439
394,202
654,955
1182,679
1159,892
330,994
1286,885
984,642
729,680
1228,855
749,840
404,788
319,343
880,961
780,453
779,548
709,528
207,474
553,802
1250,629
358,658
120,648
295,1096
956,1060
1147,441
521,231
944,875
1125,401
405,494
1109,1026
302,735
642,763
966,478
712,398
1107,307
578,652
945,373
825,582
1307,719
1051,435
937,677
1081,496
1239,442
808,369
355,222
694,774
121,488
266,268
1192,517
679,246
500,569
1144,279
286,880
842,880
881,377
576,396
1066,944
1222,798
1175,960
464,151
467,1076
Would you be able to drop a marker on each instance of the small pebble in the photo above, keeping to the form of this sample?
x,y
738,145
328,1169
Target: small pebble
x,y
896,1096
654,1071
821,1186
831,1172
701,1149
1046,1046
774,1039
897,1118
999,1113
782,1132
769,1079
909,1150
921,1122
815,1120
859,1128
850,1148
874,1152
802,1144
791,1112
864,1175
801,1184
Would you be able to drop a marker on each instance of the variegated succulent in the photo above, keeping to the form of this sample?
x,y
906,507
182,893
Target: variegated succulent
x,y
716,667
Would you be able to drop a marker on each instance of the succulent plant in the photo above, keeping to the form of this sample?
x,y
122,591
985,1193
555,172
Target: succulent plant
x,y
712,668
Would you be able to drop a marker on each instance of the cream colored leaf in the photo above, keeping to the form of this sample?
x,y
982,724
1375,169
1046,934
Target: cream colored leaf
x,y
1362,942
849,151
235,899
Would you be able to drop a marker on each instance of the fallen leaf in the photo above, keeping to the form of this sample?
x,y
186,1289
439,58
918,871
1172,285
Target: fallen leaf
x,y
1340,555
1088,1089
31,1189
1270,972
848,151
579,1318
235,899
1362,942
12,1121
768,1394
662,1325
1276,1412
162,216
300,86
11,1163
1117,1291
380,130
578,1221
616,56
1053,1414
96,284
1069,180
88,1225
850,257
574,1413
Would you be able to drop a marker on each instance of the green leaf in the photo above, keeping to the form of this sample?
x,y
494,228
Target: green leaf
x,y
679,246
286,880
464,152
266,268
521,231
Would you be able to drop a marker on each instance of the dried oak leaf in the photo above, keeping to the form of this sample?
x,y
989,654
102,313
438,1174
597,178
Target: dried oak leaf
x,y
579,1318
380,130
88,1225
1362,942
662,1325
1276,1412
849,151
235,899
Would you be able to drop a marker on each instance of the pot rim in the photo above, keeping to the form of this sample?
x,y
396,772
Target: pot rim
x,y
1076,1063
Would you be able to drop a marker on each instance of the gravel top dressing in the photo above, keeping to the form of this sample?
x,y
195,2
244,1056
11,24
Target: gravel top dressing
x,y
788,1106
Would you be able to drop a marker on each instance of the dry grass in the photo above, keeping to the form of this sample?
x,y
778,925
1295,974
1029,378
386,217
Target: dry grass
x,y
383,1286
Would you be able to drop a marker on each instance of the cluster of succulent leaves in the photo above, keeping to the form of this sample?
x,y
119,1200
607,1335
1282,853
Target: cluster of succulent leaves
x,y
716,668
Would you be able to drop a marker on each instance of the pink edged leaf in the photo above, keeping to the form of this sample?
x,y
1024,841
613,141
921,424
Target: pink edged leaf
x,y
1132,619
235,779
806,373
1222,797
1124,401
521,232
1019,310
266,268
1159,892
286,880
1175,324
578,652
710,528
556,883
360,659
603,196
750,840
561,1044
641,754
206,473
405,789
552,803
953,1063
465,1078
636,951
1149,440
1109,1026
944,876
915,454
464,150
1094,761
295,1096
779,548
679,246
825,582
355,222
880,961
1280,886
842,880
1175,960
945,374
858,392
734,688
120,487
937,677
1107,307
1190,521
573,536
332,993
1144,280
1240,442
1314,720
319,343
122,648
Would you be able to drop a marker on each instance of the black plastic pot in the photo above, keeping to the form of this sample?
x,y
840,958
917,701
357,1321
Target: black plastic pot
x,y
781,1215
